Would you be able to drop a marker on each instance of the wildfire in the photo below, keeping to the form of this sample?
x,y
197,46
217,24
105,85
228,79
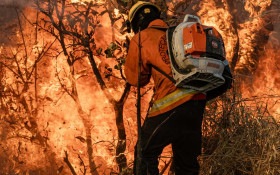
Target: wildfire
x,y
222,20
59,112
260,70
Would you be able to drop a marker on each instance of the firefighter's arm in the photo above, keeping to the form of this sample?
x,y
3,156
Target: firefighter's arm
x,y
131,66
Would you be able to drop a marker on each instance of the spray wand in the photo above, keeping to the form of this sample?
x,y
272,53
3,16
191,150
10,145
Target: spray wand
x,y
139,142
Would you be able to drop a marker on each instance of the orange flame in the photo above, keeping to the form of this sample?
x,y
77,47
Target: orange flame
x,y
58,119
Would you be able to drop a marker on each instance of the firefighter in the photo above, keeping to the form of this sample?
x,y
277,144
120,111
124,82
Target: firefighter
x,y
176,114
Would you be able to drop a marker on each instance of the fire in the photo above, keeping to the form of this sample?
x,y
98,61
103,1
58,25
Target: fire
x,y
222,20
43,116
266,77
261,70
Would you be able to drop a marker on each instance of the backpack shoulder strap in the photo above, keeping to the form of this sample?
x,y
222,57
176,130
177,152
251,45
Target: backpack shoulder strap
x,y
156,68
164,73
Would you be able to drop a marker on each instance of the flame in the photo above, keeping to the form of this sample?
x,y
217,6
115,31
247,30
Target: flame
x,y
265,80
221,19
60,122
267,77
262,71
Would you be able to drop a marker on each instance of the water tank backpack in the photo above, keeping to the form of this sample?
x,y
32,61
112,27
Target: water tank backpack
x,y
197,57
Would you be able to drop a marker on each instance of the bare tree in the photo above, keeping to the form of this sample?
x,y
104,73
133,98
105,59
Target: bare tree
x,y
19,100
74,26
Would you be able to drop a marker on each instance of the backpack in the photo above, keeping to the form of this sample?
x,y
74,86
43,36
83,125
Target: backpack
x,y
197,58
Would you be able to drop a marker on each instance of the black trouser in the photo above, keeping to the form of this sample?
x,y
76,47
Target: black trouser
x,y
180,127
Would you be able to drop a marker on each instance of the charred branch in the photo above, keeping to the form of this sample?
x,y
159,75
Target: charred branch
x,y
66,160
83,164
121,144
85,38
234,24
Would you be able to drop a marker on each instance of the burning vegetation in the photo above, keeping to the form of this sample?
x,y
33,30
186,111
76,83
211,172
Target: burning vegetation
x,y
67,109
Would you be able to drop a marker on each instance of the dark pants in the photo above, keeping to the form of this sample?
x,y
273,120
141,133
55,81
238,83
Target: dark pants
x,y
180,127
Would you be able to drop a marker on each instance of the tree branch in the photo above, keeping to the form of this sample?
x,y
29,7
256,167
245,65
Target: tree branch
x,y
66,160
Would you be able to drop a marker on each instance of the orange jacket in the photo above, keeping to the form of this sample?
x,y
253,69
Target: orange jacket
x,y
154,51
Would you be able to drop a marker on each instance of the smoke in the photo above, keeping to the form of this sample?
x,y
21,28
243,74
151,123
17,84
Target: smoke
x,y
276,18
274,37
273,14
15,3
8,17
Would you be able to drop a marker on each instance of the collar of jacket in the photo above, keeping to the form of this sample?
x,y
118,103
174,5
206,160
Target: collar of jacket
x,y
158,23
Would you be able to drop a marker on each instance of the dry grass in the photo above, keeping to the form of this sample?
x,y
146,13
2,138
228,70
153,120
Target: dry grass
x,y
240,139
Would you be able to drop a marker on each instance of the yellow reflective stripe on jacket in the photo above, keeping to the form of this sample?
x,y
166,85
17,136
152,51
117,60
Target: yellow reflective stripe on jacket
x,y
171,99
